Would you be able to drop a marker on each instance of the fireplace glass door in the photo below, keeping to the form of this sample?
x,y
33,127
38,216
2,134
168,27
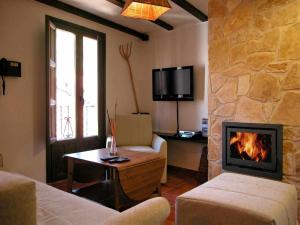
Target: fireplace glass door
x,y
252,148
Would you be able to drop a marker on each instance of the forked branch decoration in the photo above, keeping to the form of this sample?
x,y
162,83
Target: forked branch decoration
x,y
125,52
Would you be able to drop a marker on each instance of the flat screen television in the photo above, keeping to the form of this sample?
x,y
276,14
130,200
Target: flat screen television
x,y
173,84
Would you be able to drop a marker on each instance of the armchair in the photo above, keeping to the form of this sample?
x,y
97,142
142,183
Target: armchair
x,y
134,132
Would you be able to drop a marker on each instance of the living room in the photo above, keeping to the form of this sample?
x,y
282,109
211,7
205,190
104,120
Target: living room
x,y
245,62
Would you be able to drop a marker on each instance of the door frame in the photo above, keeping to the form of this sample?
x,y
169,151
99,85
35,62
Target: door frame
x,y
101,37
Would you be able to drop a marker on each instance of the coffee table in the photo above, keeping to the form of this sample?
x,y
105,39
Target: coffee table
x,y
137,178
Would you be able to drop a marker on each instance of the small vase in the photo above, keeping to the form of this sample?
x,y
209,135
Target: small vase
x,y
113,147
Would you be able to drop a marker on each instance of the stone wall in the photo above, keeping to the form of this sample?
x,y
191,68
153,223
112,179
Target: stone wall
x,y
254,66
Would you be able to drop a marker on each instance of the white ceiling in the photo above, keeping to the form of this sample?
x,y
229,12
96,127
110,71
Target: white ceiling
x,y
175,17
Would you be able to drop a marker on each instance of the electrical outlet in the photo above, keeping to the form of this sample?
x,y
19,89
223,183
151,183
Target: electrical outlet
x,y
1,161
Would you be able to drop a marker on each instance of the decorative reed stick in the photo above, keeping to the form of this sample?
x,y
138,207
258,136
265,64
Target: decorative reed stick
x,y
113,121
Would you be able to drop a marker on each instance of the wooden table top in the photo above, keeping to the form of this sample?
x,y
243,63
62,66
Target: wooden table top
x,y
94,156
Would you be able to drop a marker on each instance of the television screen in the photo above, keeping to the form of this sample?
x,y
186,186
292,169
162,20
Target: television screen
x,y
173,84
182,82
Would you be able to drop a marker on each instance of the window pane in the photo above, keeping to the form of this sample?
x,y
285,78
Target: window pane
x,y
65,85
90,87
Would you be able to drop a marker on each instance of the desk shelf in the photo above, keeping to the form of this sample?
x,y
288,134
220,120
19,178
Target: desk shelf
x,y
196,139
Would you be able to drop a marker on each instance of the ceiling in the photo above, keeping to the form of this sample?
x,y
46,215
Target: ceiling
x,y
175,17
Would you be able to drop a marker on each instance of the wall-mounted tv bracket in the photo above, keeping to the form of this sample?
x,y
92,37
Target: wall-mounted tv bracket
x,y
9,68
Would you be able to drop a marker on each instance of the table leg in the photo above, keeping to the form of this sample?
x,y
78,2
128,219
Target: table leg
x,y
159,189
203,167
70,174
116,189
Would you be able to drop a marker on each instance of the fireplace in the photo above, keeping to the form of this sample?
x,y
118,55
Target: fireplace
x,y
254,149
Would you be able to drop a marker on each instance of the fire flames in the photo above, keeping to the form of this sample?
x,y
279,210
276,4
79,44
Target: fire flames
x,y
249,146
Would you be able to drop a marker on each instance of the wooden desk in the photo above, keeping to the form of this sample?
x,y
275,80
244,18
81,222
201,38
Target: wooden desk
x,y
203,162
137,178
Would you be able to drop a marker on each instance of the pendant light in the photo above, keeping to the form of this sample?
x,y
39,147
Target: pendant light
x,y
145,9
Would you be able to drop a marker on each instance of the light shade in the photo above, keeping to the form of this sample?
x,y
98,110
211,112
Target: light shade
x,y
145,9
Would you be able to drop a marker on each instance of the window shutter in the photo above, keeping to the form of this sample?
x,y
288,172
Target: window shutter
x,y
52,82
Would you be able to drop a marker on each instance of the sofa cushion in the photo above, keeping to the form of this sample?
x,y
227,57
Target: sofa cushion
x,y
17,200
237,199
146,149
55,207
134,129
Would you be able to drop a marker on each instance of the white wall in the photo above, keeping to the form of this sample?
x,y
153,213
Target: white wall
x,y
22,110
186,45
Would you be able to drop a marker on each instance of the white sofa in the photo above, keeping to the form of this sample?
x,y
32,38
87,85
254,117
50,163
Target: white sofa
x,y
134,132
236,199
21,198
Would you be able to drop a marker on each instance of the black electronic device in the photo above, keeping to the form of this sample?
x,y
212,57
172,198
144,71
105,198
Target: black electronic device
x,y
9,68
109,158
186,134
119,160
173,84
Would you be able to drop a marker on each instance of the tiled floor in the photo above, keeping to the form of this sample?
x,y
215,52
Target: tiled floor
x,y
179,181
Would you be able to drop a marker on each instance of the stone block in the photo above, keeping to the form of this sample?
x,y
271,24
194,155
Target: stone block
x,y
216,9
289,164
243,85
292,81
287,14
216,128
238,53
237,70
267,43
214,150
289,147
277,67
259,60
215,168
265,87
215,29
297,162
241,36
288,110
238,18
290,43
268,109
212,103
226,110
261,23
249,110
291,133
271,4
218,56
228,92
217,82
232,4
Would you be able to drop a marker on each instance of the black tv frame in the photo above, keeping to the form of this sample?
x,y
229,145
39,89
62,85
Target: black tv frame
x,y
189,97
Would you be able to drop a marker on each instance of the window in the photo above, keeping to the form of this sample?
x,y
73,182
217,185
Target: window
x,y
75,92
65,85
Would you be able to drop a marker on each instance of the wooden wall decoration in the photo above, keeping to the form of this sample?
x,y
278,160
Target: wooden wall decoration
x,y
125,52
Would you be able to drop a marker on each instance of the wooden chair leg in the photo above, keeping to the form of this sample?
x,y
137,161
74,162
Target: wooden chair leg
x,y
70,174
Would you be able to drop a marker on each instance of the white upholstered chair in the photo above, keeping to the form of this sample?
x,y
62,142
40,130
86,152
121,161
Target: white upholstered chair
x,y
134,131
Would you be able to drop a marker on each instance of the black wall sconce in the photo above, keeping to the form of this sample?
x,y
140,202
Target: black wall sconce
x,y
9,69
